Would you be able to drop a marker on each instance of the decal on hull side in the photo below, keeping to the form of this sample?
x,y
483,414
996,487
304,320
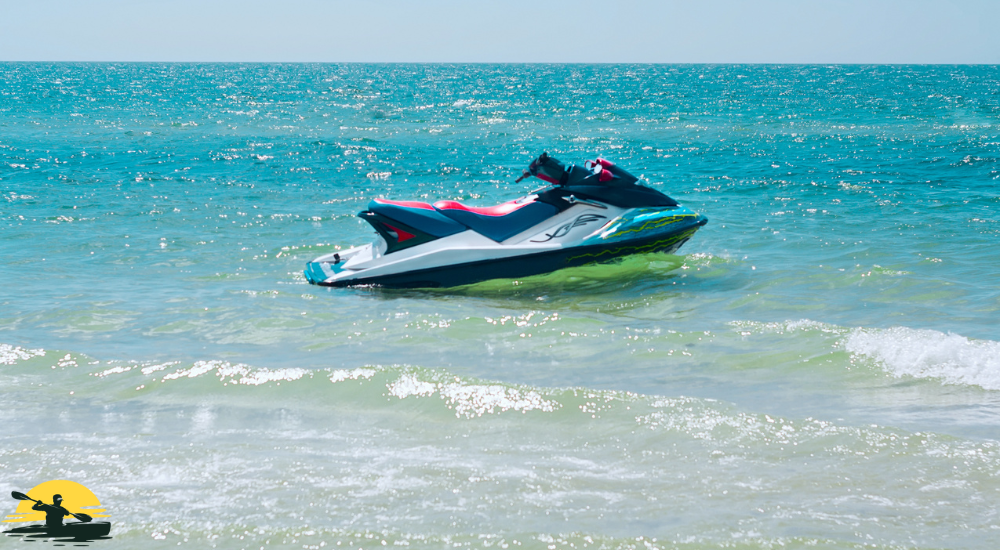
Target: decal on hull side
x,y
564,229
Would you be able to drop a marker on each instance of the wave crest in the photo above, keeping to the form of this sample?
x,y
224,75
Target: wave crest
x,y
951,358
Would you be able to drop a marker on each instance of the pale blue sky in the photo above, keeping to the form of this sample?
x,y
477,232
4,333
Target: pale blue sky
x,y
664,31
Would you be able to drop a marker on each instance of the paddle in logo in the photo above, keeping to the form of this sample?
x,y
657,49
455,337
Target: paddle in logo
x,y
59,511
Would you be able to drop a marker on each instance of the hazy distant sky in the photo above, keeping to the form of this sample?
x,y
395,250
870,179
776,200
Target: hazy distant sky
x,y
658,31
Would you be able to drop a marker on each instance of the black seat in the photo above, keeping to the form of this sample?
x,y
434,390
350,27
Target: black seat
x,y
499,222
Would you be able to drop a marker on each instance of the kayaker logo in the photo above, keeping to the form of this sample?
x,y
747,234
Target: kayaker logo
x,y
48,504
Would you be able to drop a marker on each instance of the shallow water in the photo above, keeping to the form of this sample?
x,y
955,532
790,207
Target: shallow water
x,y
819,367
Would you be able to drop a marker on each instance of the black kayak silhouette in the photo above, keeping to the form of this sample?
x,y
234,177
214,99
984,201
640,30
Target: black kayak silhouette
x,y
77,531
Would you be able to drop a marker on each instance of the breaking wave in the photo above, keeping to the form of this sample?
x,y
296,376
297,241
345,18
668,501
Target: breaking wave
x,y
948,357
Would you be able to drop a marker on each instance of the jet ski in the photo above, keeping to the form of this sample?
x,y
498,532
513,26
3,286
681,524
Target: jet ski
x,y
583,215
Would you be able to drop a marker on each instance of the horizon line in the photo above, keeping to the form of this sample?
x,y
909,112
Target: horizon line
x,y
751,63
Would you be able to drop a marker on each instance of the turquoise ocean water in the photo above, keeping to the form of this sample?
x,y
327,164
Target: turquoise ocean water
x,y
819,367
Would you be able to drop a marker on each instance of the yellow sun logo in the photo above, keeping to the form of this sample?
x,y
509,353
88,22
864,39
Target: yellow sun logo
x,y
75,497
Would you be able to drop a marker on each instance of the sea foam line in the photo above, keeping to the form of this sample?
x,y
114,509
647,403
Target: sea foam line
x,y
952,358
902,351
12,354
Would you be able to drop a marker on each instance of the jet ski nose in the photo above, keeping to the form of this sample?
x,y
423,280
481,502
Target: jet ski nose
x,y
314,273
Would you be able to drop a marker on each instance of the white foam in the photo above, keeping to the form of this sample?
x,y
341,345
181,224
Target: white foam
x,y
237,373
158,367
113,370
471,400
408,385
340,375
263,376
952,358
196,370
476,400
227,370
12,354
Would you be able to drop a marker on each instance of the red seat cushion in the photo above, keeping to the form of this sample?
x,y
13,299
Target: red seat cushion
x,y
498,210
407,204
